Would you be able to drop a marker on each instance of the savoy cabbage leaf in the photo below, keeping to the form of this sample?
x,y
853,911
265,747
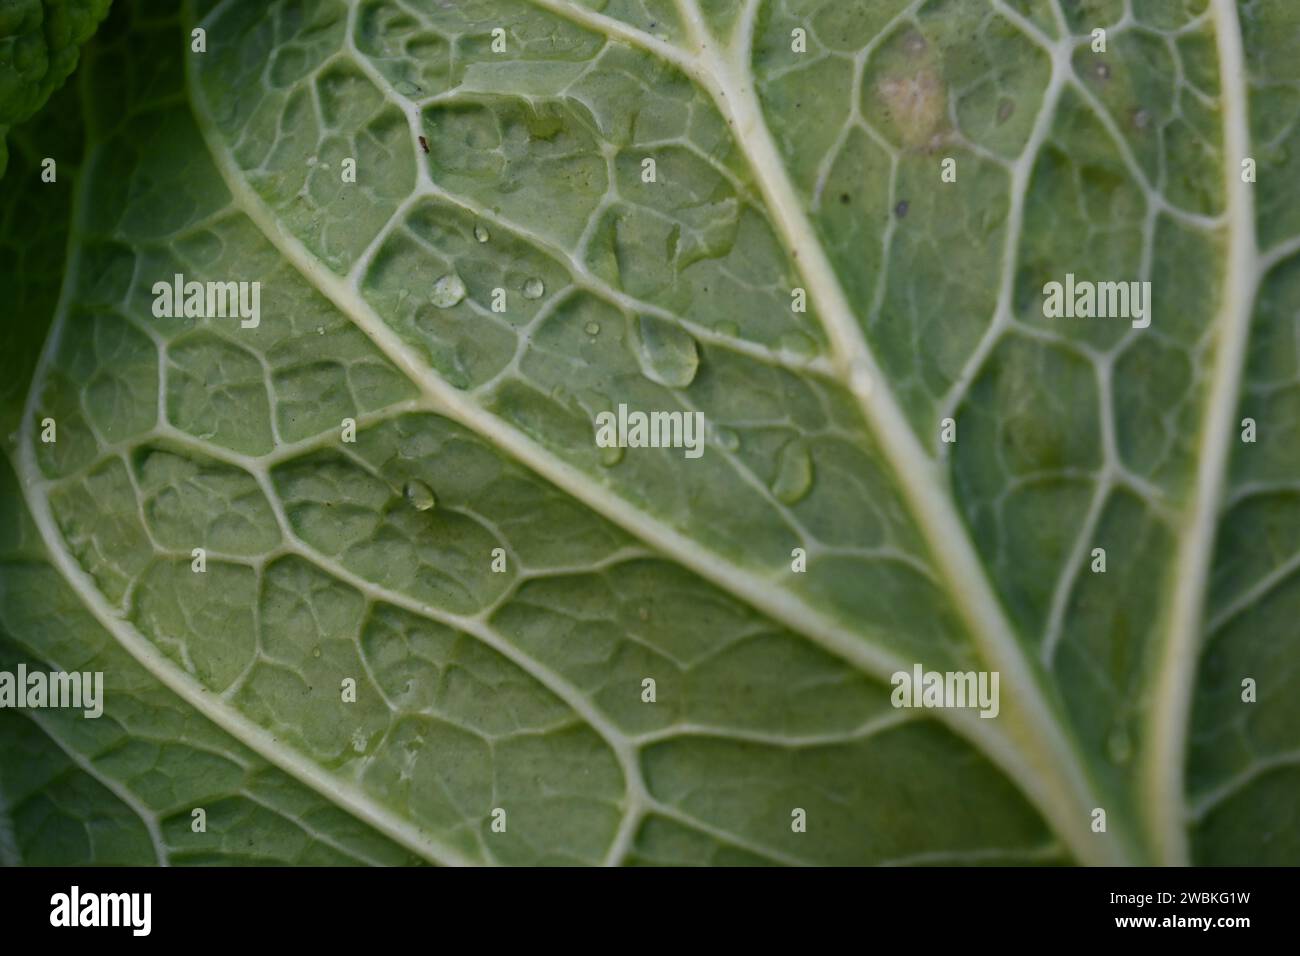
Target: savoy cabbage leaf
x,y
365,588
40,41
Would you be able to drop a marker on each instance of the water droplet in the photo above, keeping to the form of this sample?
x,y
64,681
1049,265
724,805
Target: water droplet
x,y
481,234
799,345
534,288
1119,745
315,652
447,291
419,495
726,439
729,329
611,455
794,472
592,328
669,355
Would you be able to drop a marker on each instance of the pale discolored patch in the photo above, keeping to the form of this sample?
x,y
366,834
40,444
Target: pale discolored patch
x,y
915,105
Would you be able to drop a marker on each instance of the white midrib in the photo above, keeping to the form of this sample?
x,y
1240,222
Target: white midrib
x,y
1070,792
1056,780
1165,799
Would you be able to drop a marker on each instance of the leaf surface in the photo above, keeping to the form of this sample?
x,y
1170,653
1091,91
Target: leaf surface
x,y
773,171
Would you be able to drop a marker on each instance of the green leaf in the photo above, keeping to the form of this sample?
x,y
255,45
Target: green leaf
x,y
432,641
40,41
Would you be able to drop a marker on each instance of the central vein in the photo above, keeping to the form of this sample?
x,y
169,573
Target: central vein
x,y
1060,787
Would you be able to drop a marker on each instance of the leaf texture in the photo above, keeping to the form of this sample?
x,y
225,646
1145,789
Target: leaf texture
x,y
524,171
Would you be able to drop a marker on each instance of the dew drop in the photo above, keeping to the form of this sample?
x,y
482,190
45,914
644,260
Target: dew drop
x,y
611,455
727,328
481,234
534,288
592,328
315,652
1119,746
447,291
668,354
726,439
798,345
794,472
419,495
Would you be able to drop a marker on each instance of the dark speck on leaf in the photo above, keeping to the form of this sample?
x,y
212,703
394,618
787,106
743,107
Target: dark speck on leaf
x,y
901,209
424,144
844,198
